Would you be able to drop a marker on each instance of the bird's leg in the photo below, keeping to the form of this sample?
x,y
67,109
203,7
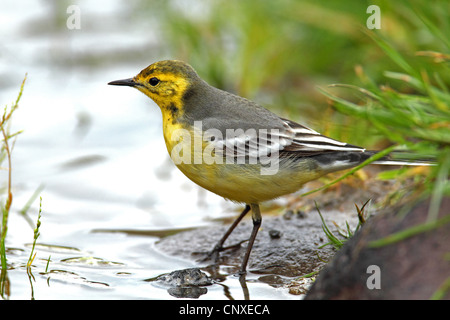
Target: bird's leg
x,y
257,219
214,253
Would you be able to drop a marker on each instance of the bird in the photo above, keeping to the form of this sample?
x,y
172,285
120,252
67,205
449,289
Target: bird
x,y
236,148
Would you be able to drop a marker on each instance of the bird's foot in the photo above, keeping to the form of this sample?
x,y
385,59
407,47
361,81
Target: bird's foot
x,y
214,254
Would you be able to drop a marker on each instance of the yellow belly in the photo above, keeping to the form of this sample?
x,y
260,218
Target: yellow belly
x,y
244,183
237,182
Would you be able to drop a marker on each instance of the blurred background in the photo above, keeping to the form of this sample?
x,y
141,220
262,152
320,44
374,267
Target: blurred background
x,y
95,153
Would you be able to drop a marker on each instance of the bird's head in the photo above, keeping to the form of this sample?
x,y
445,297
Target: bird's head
x,y
165,82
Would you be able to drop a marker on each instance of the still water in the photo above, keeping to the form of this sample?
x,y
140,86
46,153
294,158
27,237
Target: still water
x,y
96,153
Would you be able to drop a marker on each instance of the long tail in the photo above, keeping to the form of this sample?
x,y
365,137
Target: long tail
x,y
336,161
403,158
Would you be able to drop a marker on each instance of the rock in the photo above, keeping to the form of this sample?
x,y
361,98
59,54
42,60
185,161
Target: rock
x,y
275,234
416,267
185,283
185,278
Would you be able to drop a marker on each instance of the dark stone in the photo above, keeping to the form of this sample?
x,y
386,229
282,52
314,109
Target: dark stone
x,y
185,283
185,278
275,234
413,268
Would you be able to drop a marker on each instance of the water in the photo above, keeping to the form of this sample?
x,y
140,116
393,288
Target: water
x,y
97,151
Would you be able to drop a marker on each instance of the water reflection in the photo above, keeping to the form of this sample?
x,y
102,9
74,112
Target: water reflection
x,y
5,285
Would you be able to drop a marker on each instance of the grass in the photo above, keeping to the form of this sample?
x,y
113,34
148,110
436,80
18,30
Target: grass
x,y
5,154
36,236
410,232
417,121
338,241
441,292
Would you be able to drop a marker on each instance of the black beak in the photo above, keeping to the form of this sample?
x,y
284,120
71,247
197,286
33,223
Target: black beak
x,y
125,82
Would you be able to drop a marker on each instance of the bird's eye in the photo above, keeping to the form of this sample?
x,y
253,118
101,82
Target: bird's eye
x,y
153,81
